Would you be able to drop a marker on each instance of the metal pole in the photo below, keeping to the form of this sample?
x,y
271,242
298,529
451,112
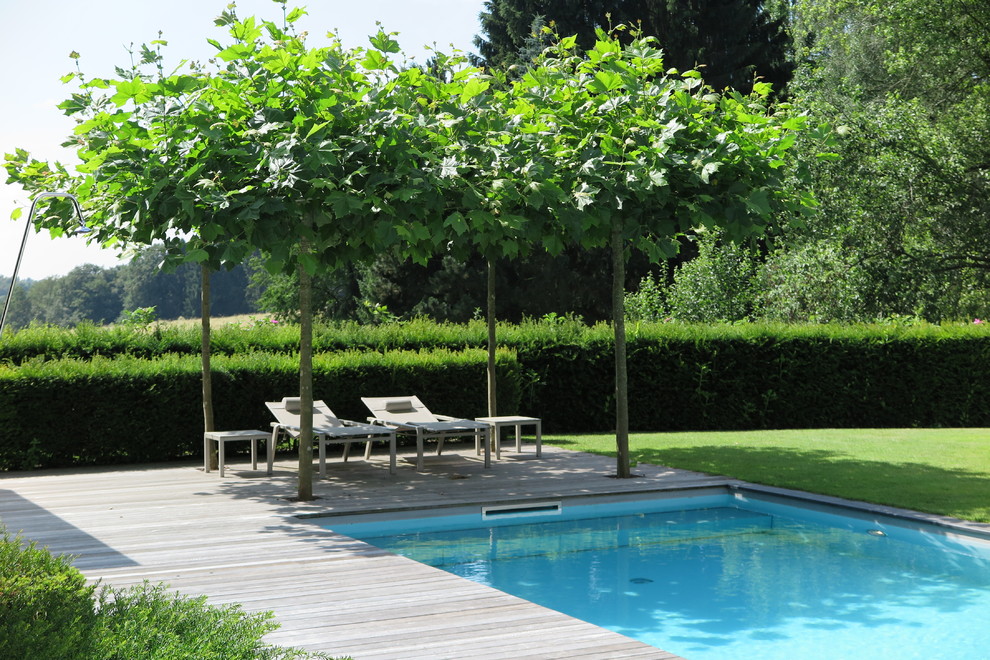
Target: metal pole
x,y
20,254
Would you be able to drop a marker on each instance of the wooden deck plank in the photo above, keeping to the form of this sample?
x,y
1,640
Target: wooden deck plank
x,y
239,540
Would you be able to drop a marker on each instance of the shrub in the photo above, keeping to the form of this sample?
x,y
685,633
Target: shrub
x,y
147,622
48,611
46,608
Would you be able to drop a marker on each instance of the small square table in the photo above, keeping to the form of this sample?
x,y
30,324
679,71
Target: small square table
x,y
221,437
516,422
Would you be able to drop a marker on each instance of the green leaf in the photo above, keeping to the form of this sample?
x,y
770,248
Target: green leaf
x,y
794,123
762,89
473,88
384,42
130,90
481,220
456,222
759,201
309,263
709,169
375,61
197,256
295,15
235,52
605,81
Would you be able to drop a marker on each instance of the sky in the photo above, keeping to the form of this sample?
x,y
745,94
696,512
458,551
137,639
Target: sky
x,y
36,38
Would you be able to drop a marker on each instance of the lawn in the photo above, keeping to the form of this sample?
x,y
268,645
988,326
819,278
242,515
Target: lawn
x,y
944,471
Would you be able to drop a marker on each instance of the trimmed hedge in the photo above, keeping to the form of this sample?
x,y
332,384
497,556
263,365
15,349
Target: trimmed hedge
x,y
125,410
87,341
682,377
855,378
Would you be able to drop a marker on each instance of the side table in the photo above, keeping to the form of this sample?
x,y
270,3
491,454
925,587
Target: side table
x,y
497,423
221,437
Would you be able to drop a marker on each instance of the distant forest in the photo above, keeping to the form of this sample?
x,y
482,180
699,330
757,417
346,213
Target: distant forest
x,y
102,295
575,283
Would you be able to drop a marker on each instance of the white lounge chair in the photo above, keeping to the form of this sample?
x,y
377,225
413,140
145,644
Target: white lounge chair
x,y
327,428
408,414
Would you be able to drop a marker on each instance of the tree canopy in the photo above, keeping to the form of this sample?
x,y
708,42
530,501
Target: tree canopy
x,y
325,157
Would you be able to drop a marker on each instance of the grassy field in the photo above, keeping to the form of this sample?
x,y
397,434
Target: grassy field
x,y
216,321
944,471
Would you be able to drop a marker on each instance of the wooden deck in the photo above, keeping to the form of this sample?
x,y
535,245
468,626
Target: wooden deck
x,y
239,539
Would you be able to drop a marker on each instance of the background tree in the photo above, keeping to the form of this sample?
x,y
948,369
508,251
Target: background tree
x,y
20,311
716,286
87,293
734,40
173,294
905,212
336,294
453,288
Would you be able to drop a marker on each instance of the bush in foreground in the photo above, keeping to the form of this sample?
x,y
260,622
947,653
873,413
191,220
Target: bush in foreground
x,y
46,607
147,622
48,611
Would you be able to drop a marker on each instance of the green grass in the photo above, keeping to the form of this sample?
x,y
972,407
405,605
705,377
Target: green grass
x,y
943,471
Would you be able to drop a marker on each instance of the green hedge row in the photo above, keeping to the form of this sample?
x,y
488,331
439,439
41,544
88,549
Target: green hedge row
x,y
87,341
681,378
103,411
757,377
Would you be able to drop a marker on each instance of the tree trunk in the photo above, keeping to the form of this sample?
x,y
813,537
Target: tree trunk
x,y
491,339
305,379
621,379
204,313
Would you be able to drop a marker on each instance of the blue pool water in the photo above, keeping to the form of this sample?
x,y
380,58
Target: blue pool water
x,y
723,576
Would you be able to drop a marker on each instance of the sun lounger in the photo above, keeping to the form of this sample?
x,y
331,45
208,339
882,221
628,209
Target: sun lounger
x,y
407,414
327,428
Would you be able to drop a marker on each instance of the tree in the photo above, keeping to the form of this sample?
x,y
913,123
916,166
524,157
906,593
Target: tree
x,y
144,284
735,40
90,295
905,212
717,286
498,184
132,196
647,156
21,310
299,152
335,294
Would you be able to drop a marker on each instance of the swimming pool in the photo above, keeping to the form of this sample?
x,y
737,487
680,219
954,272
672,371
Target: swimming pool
x,y
715,575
